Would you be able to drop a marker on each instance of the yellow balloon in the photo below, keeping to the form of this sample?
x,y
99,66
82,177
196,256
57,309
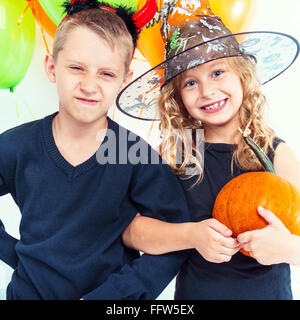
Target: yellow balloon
x,y
235,14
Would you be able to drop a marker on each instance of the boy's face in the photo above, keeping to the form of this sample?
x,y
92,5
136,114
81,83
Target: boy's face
x,y
89,74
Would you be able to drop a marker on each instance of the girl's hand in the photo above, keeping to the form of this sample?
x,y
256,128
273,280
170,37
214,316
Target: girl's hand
x,y
269,245
213,240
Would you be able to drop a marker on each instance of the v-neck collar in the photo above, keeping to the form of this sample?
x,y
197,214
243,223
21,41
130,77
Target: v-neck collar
x,y
70,170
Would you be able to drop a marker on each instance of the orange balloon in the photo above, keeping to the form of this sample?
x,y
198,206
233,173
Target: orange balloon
x,y
150,43
235,14
42,18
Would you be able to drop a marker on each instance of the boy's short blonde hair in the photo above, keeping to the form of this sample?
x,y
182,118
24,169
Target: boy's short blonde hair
x,y
104,23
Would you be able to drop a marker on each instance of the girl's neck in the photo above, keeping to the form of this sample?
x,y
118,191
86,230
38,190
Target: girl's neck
x,y
222,135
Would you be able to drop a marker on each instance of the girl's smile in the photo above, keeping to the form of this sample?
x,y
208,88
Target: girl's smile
x,y
215,106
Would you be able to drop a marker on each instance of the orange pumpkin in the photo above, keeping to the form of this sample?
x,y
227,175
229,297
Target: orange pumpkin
x,y
236,204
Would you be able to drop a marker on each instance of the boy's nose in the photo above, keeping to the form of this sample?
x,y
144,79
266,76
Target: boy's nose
x,y
89,85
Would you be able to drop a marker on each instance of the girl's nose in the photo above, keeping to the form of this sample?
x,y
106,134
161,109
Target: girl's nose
x,y
207,90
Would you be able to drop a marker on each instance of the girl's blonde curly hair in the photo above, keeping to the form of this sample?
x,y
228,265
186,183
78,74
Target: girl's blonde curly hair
x,y
175,120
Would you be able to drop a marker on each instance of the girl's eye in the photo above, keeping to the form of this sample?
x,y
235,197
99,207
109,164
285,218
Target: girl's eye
x,y
190,83
217,73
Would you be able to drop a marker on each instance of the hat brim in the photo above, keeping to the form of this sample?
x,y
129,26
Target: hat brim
x,y
274,53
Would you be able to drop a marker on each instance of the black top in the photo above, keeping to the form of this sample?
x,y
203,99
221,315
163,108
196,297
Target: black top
x,y
242,277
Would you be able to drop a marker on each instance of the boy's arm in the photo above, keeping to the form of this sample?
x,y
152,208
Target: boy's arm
x,y
7,248
7,242
157,193
7,165
144,279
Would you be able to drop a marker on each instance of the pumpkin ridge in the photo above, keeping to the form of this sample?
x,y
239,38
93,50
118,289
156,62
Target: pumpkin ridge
x,y
288,214
230,199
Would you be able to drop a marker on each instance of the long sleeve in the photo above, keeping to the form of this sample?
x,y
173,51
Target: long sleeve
x,y
144,279
7,242
157,193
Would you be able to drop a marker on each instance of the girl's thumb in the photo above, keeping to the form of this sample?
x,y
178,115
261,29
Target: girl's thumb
x,y
269,216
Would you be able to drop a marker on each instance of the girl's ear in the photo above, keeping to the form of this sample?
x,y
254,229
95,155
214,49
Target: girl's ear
x,y
50,68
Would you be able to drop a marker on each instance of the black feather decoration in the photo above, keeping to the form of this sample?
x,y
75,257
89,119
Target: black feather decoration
x,y
80,5
124,13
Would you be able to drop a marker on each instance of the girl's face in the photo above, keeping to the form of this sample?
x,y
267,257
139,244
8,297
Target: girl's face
x,y
212,93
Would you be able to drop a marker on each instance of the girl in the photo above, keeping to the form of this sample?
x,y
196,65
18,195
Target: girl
x,y
211,84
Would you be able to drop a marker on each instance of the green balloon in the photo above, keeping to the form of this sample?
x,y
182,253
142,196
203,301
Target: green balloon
x,y
16,42
56,11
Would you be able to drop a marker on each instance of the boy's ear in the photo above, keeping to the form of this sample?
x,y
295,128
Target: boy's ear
x,y
50,67
127,79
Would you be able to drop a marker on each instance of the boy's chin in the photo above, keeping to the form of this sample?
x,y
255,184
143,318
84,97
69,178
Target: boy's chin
x,y
86,117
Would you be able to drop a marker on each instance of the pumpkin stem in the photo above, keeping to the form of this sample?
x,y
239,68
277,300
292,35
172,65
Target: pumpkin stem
x,y
261,156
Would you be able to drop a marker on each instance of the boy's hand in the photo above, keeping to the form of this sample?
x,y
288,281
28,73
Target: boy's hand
x,y
213,241
270,244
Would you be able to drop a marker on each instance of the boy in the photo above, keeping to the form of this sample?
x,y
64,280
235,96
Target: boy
x,y
74,209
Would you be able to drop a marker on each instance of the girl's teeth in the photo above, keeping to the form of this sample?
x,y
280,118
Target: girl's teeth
x,y
216,105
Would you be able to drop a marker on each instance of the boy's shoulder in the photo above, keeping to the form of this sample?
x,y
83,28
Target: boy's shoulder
x,y
128,147
121,131
124,135
22,134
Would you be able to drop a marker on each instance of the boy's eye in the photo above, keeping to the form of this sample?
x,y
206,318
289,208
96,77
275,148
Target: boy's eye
x,y
108,74
76,68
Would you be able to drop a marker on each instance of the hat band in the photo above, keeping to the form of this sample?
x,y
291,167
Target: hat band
x,y
107,8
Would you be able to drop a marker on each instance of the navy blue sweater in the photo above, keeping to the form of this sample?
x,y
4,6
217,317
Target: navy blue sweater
x,y
73,217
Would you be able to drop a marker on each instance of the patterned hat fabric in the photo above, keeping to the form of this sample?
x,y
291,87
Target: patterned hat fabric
x,y
206,39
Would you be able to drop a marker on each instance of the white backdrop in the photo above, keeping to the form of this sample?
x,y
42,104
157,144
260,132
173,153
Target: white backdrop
x,y
283,113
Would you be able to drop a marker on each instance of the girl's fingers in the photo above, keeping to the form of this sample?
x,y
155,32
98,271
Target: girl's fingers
x,y
244,237
220,227
231,243
223,258
229,251
247,247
